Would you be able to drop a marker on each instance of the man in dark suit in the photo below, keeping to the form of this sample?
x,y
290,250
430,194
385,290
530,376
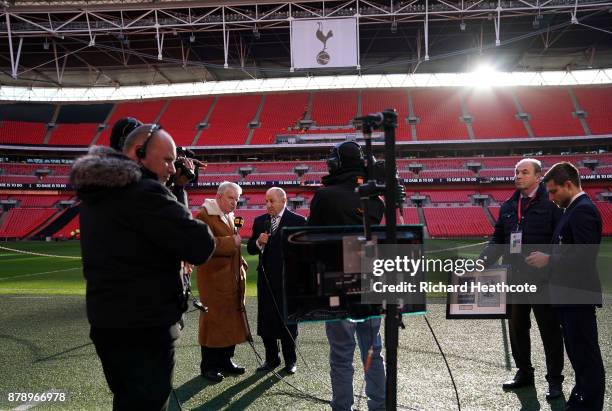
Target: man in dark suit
x,y
575,286
530,218
266,241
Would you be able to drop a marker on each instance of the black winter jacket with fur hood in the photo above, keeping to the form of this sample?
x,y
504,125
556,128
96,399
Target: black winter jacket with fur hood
x,y
134,235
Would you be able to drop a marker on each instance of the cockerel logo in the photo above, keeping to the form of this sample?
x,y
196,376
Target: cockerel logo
x,y
323,56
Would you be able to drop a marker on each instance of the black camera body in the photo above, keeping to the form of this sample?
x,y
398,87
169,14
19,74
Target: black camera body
x,y
180,166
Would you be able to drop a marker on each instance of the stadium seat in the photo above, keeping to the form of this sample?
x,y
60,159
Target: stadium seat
x,y
457,222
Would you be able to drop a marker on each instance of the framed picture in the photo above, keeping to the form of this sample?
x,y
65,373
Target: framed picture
x,y
475,296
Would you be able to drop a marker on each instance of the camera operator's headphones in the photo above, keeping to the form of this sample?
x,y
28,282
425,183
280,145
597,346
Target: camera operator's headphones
x,y
335,162
141,152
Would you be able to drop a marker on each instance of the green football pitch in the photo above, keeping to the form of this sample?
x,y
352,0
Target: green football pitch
x,y
46,349
55,267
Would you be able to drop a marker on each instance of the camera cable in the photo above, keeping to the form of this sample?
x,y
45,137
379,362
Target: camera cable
x,y
450,373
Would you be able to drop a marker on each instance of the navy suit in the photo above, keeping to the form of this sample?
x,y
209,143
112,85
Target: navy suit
x,y
270,326
573,264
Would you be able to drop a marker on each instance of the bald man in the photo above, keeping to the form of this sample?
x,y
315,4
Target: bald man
x,y
154,149
136,143
266,241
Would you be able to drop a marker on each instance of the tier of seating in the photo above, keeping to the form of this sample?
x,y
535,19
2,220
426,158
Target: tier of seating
x,y
69,231
281,112
38,201
460,220
494,114
550,112
182,117
334,108
72,134
146,111
435,114
19,222
286,170
229,123
457,222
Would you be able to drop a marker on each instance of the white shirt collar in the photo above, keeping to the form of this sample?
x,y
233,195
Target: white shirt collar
x,y
533,192
280,215
575,197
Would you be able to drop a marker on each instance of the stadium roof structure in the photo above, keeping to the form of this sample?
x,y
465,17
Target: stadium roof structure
x,y
142,43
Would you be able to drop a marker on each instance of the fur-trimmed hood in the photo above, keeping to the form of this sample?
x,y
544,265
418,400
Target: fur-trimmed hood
x,y
103,168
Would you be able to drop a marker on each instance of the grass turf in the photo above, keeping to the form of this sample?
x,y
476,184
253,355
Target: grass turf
x,y
45,346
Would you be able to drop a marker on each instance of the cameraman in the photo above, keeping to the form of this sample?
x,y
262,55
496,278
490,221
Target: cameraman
x,y
337,203
132,231
186,166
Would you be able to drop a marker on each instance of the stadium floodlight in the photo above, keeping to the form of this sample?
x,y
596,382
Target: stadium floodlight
x,y
192,38
462,25
485,75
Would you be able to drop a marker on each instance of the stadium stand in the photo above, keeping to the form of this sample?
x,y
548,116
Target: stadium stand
x,y
19,222
182,117
146,111
411,215
228,124
439,112
334,108
597,102
457,221
22,132
500,195
550,111
280,113
218,178
374,100
73,134
494,212
446,173
493,113
449,196
38,201
271,177
66,231
19,179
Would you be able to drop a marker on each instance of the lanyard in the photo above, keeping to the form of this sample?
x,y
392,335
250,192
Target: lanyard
x,y
520,202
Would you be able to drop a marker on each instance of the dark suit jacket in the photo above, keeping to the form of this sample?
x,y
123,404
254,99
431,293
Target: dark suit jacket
x,y
270,267
573,262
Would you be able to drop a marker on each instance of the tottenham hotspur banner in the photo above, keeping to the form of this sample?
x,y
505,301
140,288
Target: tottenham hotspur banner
x,y
324,43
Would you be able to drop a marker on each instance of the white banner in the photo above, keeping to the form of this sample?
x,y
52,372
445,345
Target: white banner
x,y
324,43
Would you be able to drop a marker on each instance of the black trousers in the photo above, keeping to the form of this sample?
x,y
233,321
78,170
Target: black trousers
x,y
579,325
552,339
287,342
216,358
138,365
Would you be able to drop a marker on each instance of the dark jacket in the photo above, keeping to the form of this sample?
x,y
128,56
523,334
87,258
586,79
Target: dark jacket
x,y
134,235
537,226
337,203
269,273
573,262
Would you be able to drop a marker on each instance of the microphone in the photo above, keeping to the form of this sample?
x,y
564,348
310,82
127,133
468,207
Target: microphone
x,y
267,230
268,226
238,222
